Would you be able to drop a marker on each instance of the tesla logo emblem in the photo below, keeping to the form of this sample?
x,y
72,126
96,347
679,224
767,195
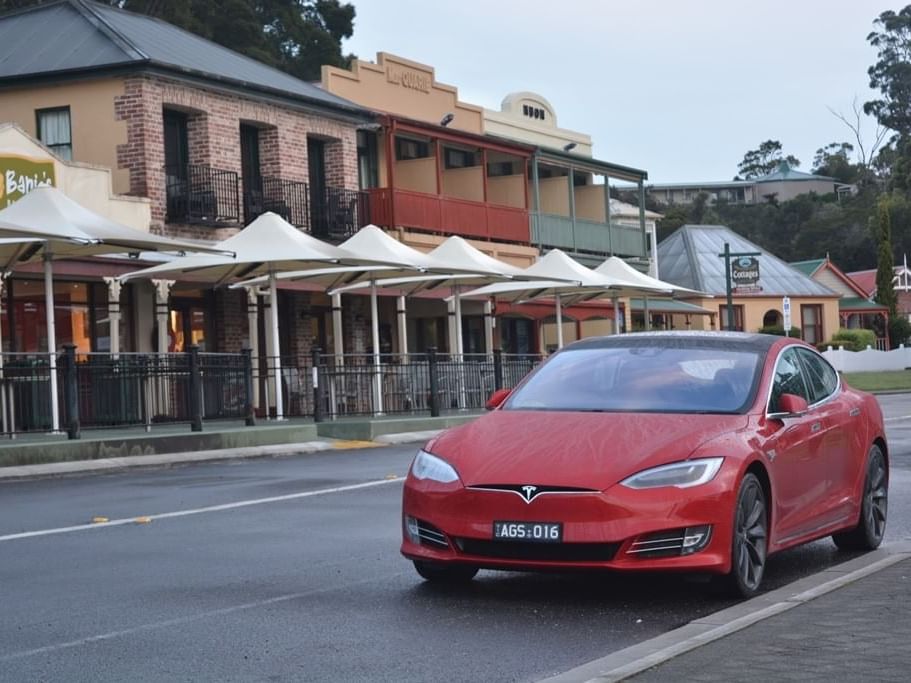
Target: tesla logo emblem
x,y
528,492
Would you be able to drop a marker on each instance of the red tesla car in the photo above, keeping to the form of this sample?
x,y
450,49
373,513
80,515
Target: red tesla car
x,y
658,451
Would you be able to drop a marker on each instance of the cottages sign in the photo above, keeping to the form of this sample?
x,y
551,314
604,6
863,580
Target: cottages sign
x,y
20,175
745,271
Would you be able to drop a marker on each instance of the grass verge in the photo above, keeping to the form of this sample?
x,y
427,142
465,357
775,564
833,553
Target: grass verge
x,y
880,381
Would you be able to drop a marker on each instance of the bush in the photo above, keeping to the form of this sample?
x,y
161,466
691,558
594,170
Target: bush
x,y
779,330
899,331
852,340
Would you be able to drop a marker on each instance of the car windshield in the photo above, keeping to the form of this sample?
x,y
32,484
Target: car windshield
x,y
651,378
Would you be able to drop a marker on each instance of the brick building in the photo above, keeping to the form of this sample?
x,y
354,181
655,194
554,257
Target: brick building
x,y
210,137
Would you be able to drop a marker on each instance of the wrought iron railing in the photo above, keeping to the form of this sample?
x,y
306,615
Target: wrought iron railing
x,y
197,193
103,390
337,213
290,199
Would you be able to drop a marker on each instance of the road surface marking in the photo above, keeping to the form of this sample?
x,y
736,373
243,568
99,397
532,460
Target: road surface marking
x,y
901,417
196,511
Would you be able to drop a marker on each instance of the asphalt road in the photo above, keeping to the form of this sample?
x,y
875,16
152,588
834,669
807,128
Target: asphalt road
x,y
297,586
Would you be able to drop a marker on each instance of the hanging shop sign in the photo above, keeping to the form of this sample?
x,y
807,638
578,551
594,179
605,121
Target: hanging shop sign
x,y
745,274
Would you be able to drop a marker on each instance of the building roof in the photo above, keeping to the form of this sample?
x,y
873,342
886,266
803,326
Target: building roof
x,y
689,258
72,37
787,174
866,279
808,267
856,303
668,306
711,185
618,208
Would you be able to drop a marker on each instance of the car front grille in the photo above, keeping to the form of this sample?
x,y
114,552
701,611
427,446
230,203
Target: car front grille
x,y
543,552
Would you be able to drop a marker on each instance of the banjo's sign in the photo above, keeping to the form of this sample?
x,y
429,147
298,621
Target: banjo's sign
x,y
20,175
745,271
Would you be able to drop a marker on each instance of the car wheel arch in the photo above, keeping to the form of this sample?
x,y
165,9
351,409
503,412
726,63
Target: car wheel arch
x,y
758,468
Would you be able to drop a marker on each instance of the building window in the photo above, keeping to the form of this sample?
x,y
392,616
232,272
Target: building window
x,y
811,323
54,130
738,317
458,158
406,148
499,168
533,112
368,163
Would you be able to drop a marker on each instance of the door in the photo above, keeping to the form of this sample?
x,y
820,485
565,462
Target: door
x,y
250,172
176,162
316,159
792,449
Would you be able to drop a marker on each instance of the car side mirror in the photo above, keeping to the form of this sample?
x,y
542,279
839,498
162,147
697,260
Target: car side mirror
x,y
791,405
497,398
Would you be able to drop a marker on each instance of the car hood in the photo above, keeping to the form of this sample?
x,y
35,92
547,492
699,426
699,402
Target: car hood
x,y
586,450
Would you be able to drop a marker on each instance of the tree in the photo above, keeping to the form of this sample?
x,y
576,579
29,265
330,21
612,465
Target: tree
x,y
296,36
891,74
834,160
866,152
764,160
885,264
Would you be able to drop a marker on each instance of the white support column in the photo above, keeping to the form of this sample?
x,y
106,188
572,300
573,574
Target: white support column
x,y
51,337
450,318
276,348
375,331
253,338
559,304
114,287
401,316
616,303
162,292
338,340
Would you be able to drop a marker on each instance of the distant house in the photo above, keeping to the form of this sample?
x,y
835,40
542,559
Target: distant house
x,y
690,258
866,281
782,185
856,310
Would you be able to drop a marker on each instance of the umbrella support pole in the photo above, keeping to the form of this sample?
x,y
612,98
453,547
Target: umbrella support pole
x,y
616,303
559,306
276,347
51,339
460,351
336,385
377,370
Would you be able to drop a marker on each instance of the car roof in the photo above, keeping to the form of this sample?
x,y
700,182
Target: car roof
x,y
735,341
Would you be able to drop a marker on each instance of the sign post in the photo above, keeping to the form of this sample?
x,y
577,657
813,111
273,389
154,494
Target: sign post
x,y
786,311
750,272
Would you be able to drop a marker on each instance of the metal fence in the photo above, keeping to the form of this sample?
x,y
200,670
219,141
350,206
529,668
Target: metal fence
x,y
103,390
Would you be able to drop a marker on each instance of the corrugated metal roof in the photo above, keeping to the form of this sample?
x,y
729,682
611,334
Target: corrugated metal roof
x,y
855,303
785,172
80,35
808,267
689,258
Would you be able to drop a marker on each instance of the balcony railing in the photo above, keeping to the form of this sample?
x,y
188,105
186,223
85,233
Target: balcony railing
x,y
290,199
202,194
584,236
449,215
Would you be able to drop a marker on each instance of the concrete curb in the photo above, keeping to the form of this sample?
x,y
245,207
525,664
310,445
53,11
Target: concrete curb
x,y
643,656
74,467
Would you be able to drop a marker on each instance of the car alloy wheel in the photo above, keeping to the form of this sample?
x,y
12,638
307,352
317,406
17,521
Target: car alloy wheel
x,y
871,526
750,543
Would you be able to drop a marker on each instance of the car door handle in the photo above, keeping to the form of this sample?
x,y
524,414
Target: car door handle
x,y
815,427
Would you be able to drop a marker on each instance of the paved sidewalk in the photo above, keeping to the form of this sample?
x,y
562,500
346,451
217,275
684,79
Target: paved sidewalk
x,y
847,623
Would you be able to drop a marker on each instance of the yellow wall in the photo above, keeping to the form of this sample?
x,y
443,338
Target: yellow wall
x,y
419,175
590,203
554,195
549,333
507,190
597,327
464,183
754,308
95,131
399,86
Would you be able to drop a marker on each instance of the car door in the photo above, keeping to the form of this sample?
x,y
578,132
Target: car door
x,y
832,410
792,451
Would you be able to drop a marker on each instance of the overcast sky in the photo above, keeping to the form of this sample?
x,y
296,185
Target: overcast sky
x,y
680,88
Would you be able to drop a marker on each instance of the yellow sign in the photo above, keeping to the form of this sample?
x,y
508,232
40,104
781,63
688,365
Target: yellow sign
x,y
21,175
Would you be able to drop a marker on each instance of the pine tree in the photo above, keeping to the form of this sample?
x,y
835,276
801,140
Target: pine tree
x,y
885,270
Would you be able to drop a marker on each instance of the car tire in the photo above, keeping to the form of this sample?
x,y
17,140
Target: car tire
x,y
438,572
749,542
874,504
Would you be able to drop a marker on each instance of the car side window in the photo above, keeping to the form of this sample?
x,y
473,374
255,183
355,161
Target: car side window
x,y
788,379
822,380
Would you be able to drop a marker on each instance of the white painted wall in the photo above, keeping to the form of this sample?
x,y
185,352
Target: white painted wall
x,y
869,360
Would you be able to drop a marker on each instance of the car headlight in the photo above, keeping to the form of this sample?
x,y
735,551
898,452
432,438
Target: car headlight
x,y
427,466
680,474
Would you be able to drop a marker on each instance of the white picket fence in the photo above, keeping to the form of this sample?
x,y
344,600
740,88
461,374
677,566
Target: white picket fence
x,y
869,360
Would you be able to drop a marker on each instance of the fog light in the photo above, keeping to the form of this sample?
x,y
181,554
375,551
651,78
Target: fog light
x,y
695,538
411,530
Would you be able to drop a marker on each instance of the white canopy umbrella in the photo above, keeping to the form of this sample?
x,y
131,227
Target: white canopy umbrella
x,y
560,276
46,223
268,246
616,267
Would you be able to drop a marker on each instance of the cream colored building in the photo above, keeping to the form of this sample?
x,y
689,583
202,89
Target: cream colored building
x,y
529,117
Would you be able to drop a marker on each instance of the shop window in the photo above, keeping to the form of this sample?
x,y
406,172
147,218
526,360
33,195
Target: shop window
x,y
55,131
738,317
406,148
458,158
811,323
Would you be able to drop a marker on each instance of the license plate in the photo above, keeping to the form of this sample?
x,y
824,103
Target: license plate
x,y
537,532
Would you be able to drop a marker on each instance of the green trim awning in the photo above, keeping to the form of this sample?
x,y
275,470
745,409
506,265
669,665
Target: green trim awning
x,y
668,306
855,303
